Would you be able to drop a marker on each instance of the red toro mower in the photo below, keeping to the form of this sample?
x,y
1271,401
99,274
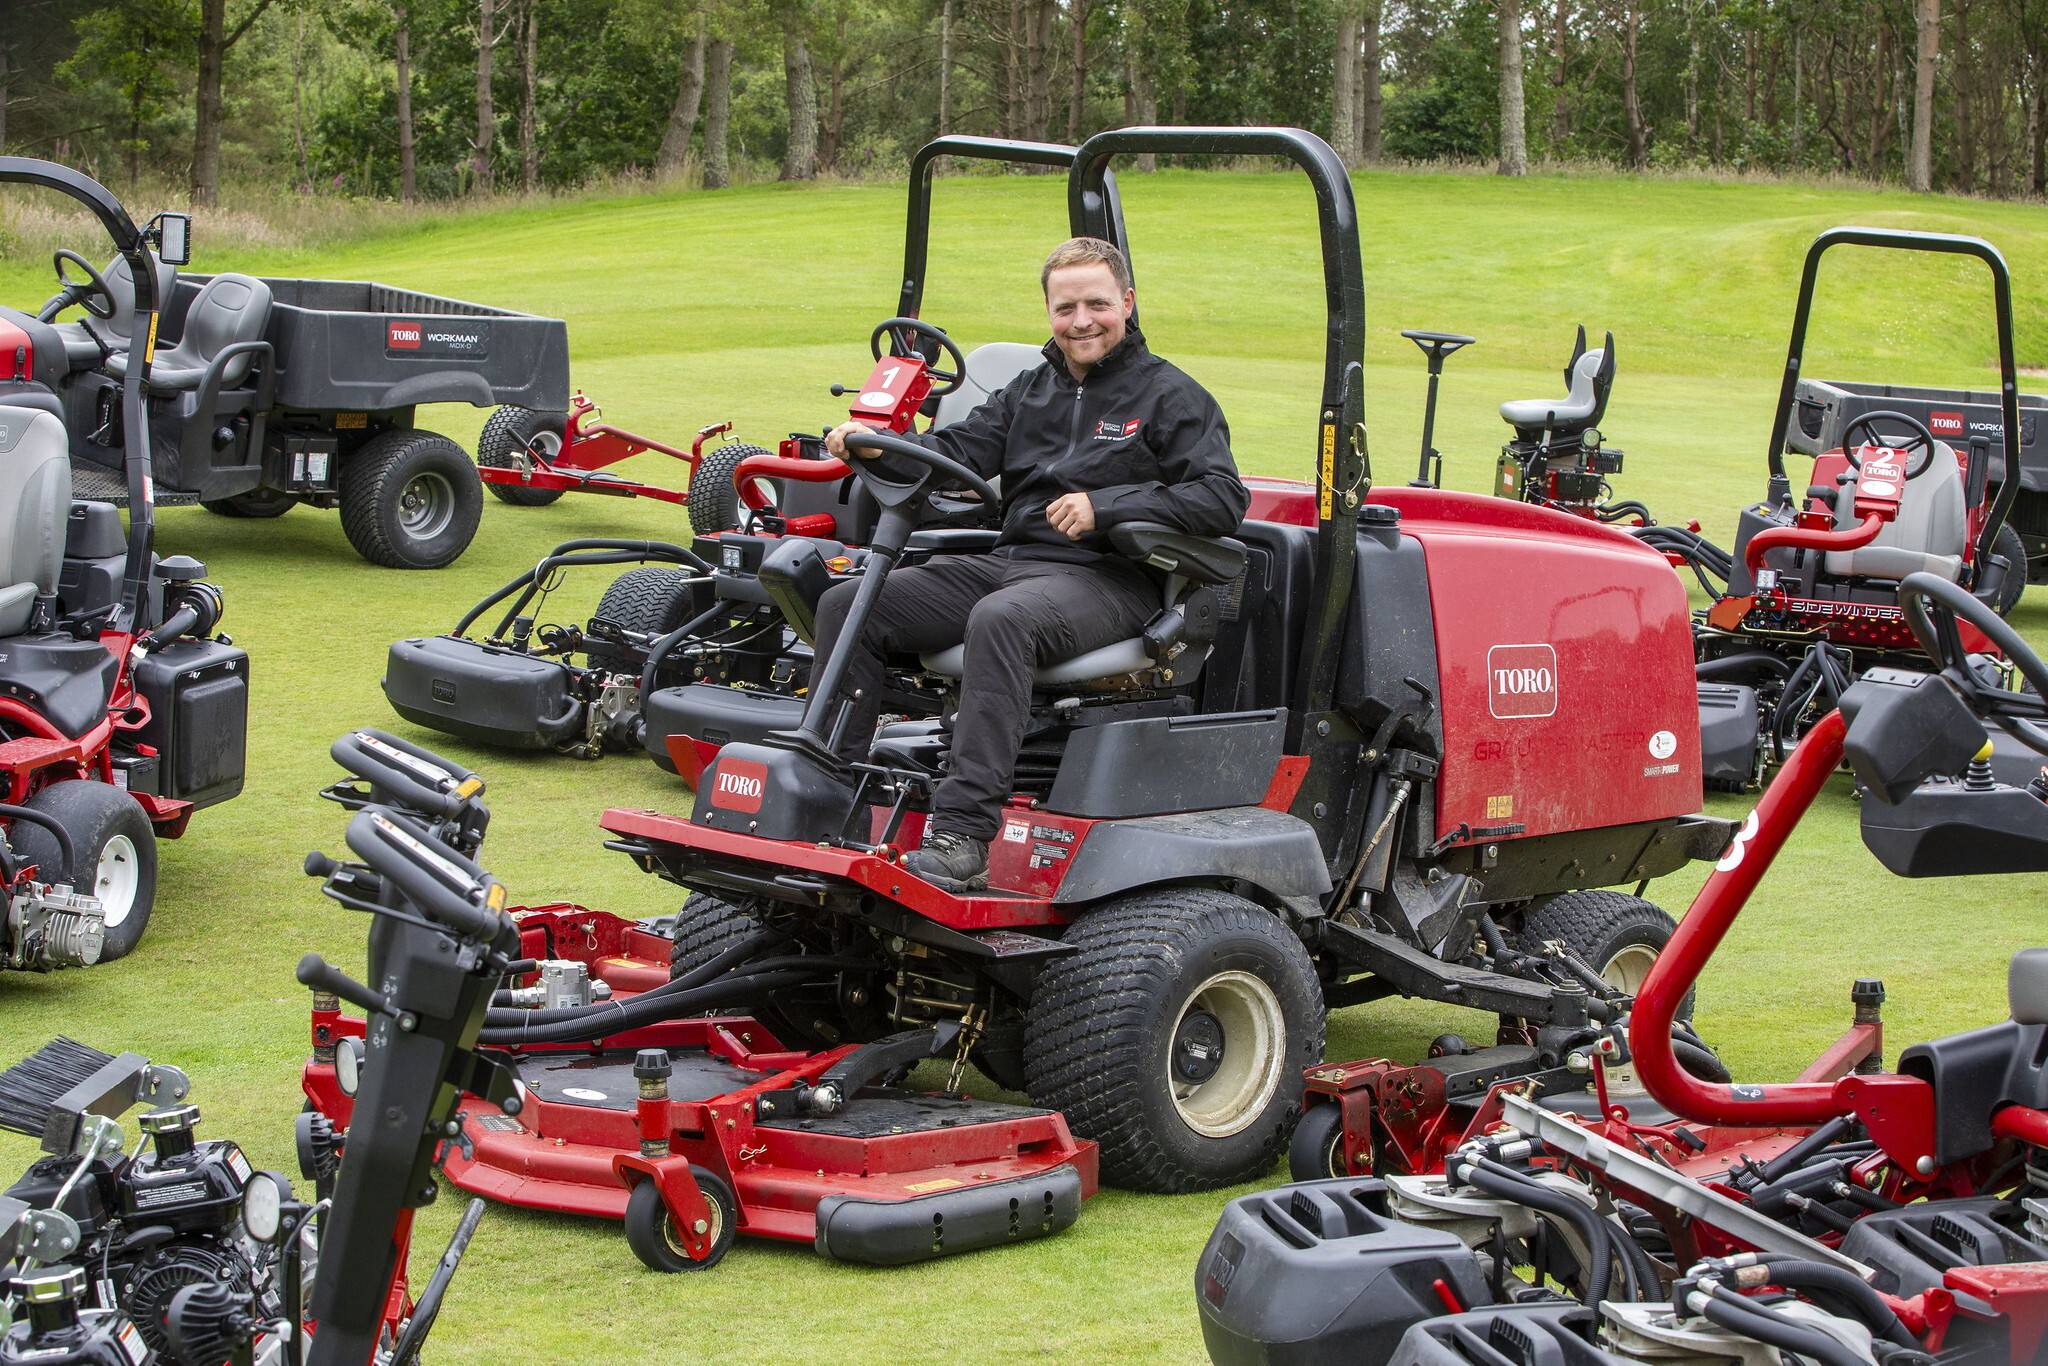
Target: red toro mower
x,y
635,1105
1854,1215
121,713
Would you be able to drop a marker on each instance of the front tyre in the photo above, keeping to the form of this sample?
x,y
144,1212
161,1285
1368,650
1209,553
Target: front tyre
x,y
114,848
1617,935
715,503
1175,1037
511,431
410,499
1316,1152
651,1230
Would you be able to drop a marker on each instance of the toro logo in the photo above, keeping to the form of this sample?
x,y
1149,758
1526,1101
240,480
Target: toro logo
x,y
1945,424
1113,430
403,337
1521,681
740,784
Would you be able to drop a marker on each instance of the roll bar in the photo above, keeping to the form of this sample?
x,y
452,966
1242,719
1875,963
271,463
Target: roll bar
x,y
134,247
1780,487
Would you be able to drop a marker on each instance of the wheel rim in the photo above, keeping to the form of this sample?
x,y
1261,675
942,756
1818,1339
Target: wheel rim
x,y
671,1235
116,880
1629,969
1218,1096
546,445
426,505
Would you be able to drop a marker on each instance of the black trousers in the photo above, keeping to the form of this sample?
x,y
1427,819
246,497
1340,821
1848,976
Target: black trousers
x,y
1014,615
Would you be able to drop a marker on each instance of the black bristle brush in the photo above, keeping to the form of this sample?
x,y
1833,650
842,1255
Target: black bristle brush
x,y
30,1087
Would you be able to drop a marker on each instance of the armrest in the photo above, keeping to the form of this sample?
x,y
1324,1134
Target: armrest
x,y
216,370
1200,559
953,540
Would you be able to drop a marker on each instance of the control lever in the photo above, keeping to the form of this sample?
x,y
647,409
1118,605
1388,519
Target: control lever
x,y
319,974
1437,347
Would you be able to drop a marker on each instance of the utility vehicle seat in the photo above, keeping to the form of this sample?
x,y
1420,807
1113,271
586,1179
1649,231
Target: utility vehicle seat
x,y
989,368
1186,560
35,510
1591,379
1928,535
80,349
230,309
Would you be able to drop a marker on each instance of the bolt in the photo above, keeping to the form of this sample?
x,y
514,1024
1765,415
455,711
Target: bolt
x,y
699,1227
1924,1166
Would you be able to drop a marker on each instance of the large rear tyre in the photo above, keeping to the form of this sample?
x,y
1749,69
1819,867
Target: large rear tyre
x,y
714,504
410,499
1316,1152
511,430
257,503
1618,935
114,847
1175,1037
651,1230
653,600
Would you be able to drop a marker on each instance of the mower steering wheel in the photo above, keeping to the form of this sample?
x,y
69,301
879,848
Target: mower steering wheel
x,y
1920,440
1937,633
943,471
82,292
901,330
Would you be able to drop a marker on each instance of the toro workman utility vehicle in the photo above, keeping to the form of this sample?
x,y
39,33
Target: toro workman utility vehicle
x,y
121,712
1854,1217
1376,729
635,1105
712,642
1808,599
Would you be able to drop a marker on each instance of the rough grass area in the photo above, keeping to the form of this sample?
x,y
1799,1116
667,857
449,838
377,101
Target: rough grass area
x,y
746,305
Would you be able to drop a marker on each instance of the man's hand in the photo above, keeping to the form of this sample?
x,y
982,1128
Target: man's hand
x,y
835,440
1072,515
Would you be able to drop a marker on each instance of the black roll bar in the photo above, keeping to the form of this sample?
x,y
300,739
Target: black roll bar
x,y
135,250
1780,488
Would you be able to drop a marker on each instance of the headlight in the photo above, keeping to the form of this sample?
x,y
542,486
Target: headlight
x,y
263,1202
348,1066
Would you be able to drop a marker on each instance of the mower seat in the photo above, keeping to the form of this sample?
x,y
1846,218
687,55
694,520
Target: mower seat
x,y
83,342
1928,535
1187,561
230,309
989,368
35,510
1591,377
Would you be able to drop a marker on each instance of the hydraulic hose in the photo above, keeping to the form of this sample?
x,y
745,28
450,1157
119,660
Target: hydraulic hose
x,y
1847,1289
1508,1184
1719,670
616,1017
1739,1314
1794,1157
506,1018
623,552
658,651
1701,1062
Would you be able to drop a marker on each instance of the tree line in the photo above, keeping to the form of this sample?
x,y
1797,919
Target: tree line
x,y
417,99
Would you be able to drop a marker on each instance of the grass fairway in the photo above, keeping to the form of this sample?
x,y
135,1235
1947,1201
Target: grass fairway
x,y
746,305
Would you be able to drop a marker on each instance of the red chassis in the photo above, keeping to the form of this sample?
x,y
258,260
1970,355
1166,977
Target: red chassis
x,y
575,1148
589,445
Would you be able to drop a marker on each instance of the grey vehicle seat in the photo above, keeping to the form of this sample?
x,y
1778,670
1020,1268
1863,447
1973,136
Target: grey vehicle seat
x,y
35,511
230,309
1591,380
1187,561
118,331
1926,537
989,368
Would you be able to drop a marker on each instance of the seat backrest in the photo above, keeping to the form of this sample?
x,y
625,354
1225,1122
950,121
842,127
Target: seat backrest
x,y
1927,536
231,308
121,285
1582,406
989,368
35,510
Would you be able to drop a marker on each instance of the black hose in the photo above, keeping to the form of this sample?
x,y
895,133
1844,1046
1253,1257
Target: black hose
x,y
1701,1062
658,651
1741,1315
1717,670
1509,1184
624,552
1794,1157
1845,1287
508,1018
57,832
620,1016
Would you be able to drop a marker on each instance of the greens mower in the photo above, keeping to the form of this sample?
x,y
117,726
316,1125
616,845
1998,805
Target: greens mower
x,y
1903,481
1855,1216
711,643
1293,792
123,713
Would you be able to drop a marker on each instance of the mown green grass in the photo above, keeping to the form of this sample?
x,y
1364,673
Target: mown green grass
x,y
745,305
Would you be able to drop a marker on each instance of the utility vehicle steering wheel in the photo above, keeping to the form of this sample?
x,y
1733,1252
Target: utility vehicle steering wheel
x,y
901,330
84,292
1937,633
1920,440
945,472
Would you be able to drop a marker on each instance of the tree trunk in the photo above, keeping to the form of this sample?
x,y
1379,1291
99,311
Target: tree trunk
x,y
3,99
828,155
946,68
529,87
1920,164
299,99
1077,93
213,16
1798,96
1344,84
1966,129
1038,16
2037,126
717,113
800,158
1514,128
682,116
1013,77
1147,101
1370,106
408,180
1880,103
486,116
1560,106
1631,105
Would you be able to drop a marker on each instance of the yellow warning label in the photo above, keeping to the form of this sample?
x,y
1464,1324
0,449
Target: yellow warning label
x,y
1329,470
944,1183
351,421
149,346
1500,808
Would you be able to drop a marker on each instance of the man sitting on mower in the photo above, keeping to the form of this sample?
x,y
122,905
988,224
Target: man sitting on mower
x,y
1103,432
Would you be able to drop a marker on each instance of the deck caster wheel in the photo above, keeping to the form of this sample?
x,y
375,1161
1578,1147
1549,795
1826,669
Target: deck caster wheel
x,y
1316,1152
115,849
715,504
511,431
651,1230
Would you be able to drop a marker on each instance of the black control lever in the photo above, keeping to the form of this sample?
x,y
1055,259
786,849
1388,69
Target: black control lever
x,y
319,974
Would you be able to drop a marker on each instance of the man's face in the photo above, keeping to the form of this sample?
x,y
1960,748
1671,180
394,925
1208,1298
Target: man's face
x,y
1089,313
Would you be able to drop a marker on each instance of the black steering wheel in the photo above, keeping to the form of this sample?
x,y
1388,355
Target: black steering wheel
x,y
942,471
84,292
1920,440
1932,605
900,332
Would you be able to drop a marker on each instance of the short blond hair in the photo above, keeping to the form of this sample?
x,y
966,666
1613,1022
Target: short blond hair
x,y
1086,251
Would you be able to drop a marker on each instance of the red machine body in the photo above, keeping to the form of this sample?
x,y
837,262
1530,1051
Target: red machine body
x,y
17,353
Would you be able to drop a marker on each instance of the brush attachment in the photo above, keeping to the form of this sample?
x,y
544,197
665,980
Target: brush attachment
x,y
30,1087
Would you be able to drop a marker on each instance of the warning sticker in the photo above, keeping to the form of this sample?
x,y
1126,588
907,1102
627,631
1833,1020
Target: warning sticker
x,y
1017,832
1052,832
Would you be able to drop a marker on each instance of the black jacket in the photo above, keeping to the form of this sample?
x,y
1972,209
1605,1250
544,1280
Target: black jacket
x,y
1141,438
